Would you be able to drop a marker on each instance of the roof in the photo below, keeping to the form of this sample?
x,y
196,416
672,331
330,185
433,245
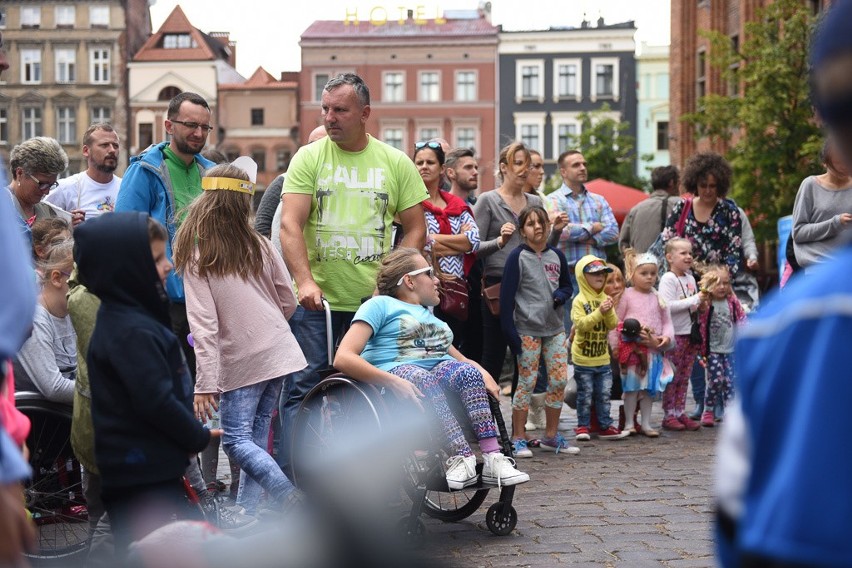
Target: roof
x,y
332,29
204,48
261,79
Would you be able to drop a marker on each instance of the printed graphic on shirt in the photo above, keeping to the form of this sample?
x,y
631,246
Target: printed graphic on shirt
x,y
421,340
593,343
107,205
552,269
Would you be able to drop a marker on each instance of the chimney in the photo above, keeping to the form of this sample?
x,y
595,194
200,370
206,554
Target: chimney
x,y
601,22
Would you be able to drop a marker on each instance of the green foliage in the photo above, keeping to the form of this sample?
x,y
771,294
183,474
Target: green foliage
x,y
608,148
774,139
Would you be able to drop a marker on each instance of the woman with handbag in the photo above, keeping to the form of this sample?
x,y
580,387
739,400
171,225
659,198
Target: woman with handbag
x,y
453,239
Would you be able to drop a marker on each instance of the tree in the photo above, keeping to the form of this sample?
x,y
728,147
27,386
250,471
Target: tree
x,y
774,138
608,148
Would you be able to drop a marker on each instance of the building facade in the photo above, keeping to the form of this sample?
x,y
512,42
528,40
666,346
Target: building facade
x,y
428,78
652,120
67,63
549,77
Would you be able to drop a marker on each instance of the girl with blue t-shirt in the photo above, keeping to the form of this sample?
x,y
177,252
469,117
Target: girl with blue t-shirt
x,y
396,342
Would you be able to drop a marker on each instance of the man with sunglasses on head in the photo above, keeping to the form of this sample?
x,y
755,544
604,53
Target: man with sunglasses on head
x,y
340,198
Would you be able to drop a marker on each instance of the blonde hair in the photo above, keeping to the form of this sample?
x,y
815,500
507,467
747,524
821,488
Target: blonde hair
x,y
673,242
507,156
394,266
57,256
217,224
631,258
712,277
47,232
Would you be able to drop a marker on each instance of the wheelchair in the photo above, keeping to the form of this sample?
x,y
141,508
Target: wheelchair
x,y
340,408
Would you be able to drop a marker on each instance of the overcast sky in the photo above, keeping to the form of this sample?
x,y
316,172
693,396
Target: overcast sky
x,y
267,31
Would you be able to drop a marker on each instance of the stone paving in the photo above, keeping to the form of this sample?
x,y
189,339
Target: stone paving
x,y
634,502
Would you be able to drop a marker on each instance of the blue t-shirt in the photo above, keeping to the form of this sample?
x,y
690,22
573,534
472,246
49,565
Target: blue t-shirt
x,y
403,333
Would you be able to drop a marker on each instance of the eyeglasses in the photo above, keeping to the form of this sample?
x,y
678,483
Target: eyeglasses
x,y
193,125
44,185
430,143
413,273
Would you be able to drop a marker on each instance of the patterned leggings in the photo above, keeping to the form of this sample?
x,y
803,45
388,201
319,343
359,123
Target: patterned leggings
x,y
555,360
720,371
683,358
466,380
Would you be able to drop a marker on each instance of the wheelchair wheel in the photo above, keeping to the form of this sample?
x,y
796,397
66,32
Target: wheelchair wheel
x,y
331,422
501,518
439,502
54,495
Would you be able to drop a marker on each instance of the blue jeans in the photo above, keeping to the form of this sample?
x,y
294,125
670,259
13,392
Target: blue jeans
x,y
246,416
308,326
593,384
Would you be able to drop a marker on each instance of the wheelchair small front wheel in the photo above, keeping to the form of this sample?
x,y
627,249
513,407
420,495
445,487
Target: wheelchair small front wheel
x,y
501,518
413,531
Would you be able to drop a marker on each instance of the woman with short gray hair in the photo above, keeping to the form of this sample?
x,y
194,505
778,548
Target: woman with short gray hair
x,y
35,165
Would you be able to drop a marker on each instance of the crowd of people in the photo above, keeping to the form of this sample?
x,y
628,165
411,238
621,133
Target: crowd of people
x,y
162,308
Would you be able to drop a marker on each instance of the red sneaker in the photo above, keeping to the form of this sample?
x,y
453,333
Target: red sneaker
x,y
688,422
707,419
581,433
613,433
672,423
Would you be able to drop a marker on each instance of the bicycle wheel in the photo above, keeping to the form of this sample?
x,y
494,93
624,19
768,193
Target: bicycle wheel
x,y
54,495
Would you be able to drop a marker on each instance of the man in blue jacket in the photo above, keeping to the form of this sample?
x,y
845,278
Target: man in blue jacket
x,y
163,180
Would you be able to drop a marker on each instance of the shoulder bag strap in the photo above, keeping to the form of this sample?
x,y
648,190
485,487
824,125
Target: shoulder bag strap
x,y
663,213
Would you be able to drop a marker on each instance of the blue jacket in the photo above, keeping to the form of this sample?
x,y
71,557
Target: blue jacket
x,y
147,187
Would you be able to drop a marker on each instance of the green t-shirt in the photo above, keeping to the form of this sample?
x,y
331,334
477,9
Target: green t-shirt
x,y
186,181
354,197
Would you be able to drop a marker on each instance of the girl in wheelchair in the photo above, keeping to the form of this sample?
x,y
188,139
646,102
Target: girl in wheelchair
x,y
396,342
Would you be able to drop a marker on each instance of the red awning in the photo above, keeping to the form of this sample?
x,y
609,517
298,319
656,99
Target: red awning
x,y
621,198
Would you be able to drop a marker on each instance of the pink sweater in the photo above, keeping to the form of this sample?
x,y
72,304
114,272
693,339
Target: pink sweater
x,y
645,308
240,327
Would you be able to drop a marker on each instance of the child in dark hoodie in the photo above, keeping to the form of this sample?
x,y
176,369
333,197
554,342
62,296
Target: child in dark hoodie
x,y
142,413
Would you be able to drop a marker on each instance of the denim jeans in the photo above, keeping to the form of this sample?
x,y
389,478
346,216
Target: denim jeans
x,y
594,384
308,326
246,416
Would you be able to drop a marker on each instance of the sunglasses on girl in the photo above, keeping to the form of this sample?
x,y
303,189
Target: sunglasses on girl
x,y
413,273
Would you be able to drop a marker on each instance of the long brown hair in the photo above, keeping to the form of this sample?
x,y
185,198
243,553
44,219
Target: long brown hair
x,y
217,225
395,265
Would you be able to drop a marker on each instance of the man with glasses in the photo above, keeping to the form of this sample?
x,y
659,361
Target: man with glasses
x,y
340,198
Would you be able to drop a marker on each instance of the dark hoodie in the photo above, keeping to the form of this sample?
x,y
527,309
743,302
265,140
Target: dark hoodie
x,y
141,390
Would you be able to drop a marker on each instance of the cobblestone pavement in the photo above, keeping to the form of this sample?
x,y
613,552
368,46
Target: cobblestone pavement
x,y
634,502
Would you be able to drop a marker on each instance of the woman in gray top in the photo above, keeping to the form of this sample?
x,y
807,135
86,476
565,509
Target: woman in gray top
x,y
822,211
496,213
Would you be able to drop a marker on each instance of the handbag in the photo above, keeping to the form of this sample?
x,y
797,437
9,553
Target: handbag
x,y
454,294
694,330
492,297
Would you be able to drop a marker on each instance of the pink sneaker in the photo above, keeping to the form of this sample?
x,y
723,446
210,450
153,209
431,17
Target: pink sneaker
x,y
688,422
707,419
672,423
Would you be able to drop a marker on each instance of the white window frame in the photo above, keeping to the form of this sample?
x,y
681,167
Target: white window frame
x,y
96,63
520,64
578,95
32,126
30,17
538,119
595,61
31,62
558,119
317,89
429,93
96,13
61,15
65,63
458,142
461,89
97,115
393,93
66,124
426,129
4,126
389,136
386,126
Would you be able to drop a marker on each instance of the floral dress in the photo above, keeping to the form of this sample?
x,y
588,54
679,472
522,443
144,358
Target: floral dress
x,y
718,241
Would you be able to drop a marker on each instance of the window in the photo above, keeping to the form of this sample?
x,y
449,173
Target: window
x,y
101,114
66,65
2,17
567,82
168,93
30,17
320,79
66,125
529,82
429,133
99,16
393,137
394,91
178,41
259,156
465,86
465,137
31,122
566,134
30,66
566,128
605,78
282,159
65,16
663,135
146,135
734,79
257,117
4,126
429,87
530,136
99,65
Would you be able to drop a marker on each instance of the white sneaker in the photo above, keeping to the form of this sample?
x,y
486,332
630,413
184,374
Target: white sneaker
x,y
461,472
499,470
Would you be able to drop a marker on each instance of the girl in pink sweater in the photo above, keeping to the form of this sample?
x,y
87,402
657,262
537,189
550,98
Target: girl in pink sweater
x,y
238,299
645,372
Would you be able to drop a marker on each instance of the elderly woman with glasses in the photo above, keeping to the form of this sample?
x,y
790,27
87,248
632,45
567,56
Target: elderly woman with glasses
x,y
396,342
35,165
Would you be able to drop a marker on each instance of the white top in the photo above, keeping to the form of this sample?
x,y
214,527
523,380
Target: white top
x,y
681,295
82,192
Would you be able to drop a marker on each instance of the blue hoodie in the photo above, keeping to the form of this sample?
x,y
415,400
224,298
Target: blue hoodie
x,y
147,187
142,414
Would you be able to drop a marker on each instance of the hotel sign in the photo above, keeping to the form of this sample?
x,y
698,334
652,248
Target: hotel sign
x,y
380,15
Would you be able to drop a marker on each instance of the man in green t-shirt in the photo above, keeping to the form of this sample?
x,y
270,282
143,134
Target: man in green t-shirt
x,y
340,198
